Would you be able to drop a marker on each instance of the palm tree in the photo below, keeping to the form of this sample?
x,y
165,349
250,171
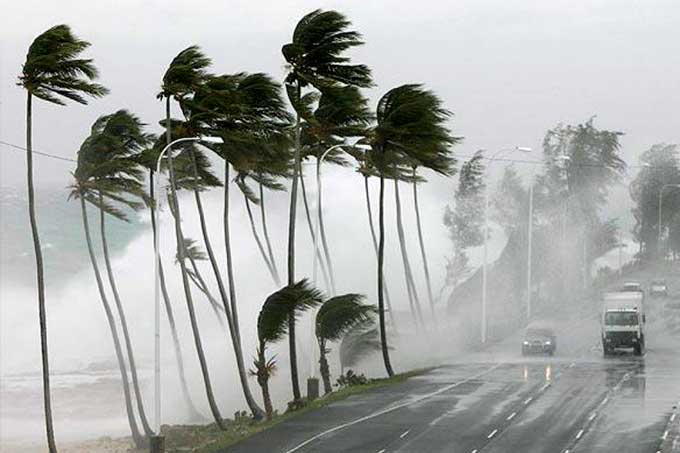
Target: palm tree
x,y
52,72
185,73
116,178
336,317
87,187
410,125
316,58
272,326
247,112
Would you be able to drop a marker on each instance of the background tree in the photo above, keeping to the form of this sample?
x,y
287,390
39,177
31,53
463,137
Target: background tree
x,y
464,220
661,166
315,57
272,326
336,317
410,126
54,72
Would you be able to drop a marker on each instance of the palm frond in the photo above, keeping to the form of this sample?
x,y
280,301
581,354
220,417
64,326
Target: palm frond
x,y
358,343
339,314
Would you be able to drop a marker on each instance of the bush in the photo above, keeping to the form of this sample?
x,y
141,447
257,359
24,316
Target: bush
x,y
350,379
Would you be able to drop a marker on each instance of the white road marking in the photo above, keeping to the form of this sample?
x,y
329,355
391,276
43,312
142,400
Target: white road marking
x,y
545,386
571,365
390,409
592,416
665,434
404,434
528,400
579,434
474,451
673,417
382,451
511,416
604,401
493,433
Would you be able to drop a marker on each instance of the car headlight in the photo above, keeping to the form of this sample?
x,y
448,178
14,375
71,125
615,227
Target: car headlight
x,y
526,343
548,343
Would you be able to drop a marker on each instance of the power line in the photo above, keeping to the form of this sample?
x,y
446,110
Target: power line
x,y
460,156
39,153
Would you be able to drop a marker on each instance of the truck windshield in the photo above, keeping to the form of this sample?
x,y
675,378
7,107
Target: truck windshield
x,y
621,319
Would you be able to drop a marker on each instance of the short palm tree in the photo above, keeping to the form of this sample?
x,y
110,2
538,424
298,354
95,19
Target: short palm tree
x,y
272,326
410,126
336,317
316,57
54,73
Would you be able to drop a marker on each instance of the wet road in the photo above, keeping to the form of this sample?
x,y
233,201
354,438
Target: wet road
x,y
497,401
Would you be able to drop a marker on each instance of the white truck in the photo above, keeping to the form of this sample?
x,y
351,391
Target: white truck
x,y
623,320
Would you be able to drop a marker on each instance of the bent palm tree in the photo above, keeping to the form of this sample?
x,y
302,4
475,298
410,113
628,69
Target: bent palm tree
x,y
316,58
185,73
336,317
410,126
87,187
52,72
272,326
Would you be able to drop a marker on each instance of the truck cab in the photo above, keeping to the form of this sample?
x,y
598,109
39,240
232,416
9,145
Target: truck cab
x,y
623,321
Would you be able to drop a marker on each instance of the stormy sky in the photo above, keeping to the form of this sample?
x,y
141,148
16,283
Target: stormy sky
x,y
507,69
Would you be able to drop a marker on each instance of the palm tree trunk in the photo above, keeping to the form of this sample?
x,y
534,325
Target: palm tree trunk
x,y
136,435
259,242
322,232
291,252
42,315
381,262
194,413
408,275
265,232
375,247
123,322
230,311
263,380
324,369
199,282
422,248
187,287
328,282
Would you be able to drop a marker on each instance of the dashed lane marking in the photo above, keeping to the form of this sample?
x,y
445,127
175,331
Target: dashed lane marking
x,y
592,416
391,409
382,451
404,434
579,434
665,434
492,433
511,416
528,400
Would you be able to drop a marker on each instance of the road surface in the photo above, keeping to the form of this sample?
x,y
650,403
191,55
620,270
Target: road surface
x,y
498,401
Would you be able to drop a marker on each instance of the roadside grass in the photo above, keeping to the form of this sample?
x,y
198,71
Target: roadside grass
x,y
210,439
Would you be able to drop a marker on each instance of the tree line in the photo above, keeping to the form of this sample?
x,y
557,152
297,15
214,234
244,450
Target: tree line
x,y
262,144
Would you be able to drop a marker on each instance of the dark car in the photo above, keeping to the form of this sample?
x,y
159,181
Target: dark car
x,y
658,287
539,340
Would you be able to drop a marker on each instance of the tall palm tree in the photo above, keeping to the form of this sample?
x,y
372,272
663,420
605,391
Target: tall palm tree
x,y
247,112
52,72
410,126
316,58
118,180
87,187
186,73
336,317
272,326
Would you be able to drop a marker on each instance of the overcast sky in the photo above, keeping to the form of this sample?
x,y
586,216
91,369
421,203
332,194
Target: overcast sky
x,y
508,69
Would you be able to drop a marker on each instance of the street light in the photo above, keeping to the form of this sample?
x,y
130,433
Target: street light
x,y
658,239
486,233
157,284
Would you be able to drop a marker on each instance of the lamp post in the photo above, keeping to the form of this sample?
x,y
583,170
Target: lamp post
x,y
157,284
530,243
658,238
486,234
